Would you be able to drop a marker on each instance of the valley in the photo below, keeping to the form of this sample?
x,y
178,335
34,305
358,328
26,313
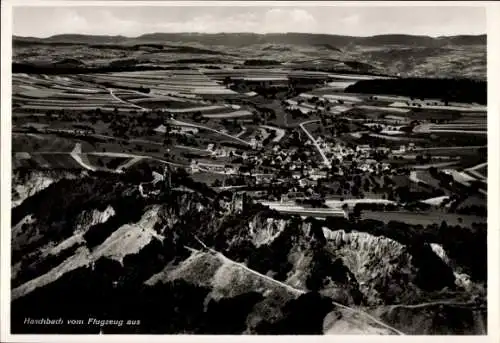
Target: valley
x,y
229,184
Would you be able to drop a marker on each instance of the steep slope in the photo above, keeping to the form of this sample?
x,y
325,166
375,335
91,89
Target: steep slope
x,y
208,268
28,183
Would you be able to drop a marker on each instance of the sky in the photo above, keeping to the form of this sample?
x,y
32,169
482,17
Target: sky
x,y
133,21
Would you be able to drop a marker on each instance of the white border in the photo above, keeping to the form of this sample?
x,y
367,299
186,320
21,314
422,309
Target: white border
x,y
493,18
181,3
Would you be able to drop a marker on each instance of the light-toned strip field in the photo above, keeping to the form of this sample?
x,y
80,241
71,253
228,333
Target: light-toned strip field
x,y
194,109
207,90
235,114
180,82
384,108
84,108
153,99
357,77
332,97
340,85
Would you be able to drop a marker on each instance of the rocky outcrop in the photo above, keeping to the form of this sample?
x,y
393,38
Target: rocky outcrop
x,y
374,261
128,239
265,230
27,184
268,268
93,217
461,279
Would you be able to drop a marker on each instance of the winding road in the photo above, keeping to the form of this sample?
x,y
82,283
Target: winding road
x,y
80,158
434,303
180,123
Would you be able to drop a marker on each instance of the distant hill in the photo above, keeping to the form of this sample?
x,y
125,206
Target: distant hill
x,y
86,39
394,54
245,39
467,40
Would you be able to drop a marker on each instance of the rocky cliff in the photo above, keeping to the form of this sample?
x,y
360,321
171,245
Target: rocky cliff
x,y
95,245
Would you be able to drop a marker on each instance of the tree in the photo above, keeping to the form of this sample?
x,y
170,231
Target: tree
x,y
197,116
356,213
256,119
345,207
443,228
366,185
357,180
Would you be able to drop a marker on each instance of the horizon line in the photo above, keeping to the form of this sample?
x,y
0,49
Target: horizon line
x,y
248,33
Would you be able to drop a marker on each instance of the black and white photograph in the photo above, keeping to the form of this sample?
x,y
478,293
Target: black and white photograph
x,y
248,169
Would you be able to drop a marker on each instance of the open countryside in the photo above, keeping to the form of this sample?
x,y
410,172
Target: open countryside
x,y
240,181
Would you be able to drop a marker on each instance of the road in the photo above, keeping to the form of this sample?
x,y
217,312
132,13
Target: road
x,y
181,123
77,155
325,159
113,154
433,303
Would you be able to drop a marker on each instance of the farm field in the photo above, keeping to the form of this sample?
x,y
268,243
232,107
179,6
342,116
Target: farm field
x,y
50,161
235,114
22,142
107,162
218,174
461,151
424,177
44,95
424,218
210,178
177,82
